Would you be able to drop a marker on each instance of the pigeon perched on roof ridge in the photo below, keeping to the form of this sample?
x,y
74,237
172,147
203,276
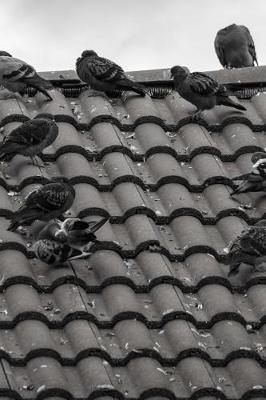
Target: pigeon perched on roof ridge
x,y
235,47
56,253
30,138
249,247
254,181
104,75
16,75
44,203
201,90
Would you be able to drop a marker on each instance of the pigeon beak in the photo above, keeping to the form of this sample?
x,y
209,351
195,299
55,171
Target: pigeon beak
x,y
97,225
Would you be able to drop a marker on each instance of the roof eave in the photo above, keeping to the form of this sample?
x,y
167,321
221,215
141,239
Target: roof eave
x,y
250,75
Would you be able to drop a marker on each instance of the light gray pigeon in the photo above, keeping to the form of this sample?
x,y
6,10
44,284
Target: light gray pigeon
x,y
16,75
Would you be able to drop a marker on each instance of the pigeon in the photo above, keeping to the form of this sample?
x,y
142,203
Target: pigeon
x,y
248,248
254,181
30,138
201,90
46,230
235,47
56,253
44,203
104,75
75,231
16,75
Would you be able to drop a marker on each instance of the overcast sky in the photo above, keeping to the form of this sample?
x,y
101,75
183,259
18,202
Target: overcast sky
x,y
137,34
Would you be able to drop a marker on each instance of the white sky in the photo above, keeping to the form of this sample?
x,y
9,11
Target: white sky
x,y
137,34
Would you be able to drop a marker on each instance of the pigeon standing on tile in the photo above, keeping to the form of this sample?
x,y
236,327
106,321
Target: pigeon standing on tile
x,y
46,202
248,248
53,252
16,75
254,181
235,47
79,232
30,138
201,90
104,75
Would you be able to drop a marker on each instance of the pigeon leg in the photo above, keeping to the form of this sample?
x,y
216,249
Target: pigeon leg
x,y
232,195
259,264
234,268
126,95
35,163
44,92
245,206
196,115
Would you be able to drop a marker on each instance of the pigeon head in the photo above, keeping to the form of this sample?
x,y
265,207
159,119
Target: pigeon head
x,y
5,53
88,53
43,250
179,73
227,29
258,160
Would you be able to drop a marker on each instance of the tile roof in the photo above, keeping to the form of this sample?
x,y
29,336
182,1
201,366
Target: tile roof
x,y
151,314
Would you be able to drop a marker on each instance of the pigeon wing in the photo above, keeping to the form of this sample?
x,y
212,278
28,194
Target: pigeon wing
x,y
17,70
218,45
28,133
105,70
250,42
48,198
203,84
